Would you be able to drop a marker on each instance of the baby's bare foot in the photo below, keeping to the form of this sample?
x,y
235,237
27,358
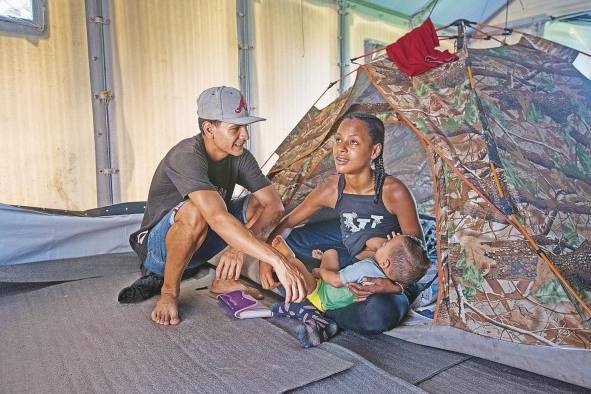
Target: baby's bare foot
x,y
166,311
226,286
316,273
317,254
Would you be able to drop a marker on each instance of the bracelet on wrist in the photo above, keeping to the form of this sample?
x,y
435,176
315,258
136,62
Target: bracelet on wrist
x,y
399,285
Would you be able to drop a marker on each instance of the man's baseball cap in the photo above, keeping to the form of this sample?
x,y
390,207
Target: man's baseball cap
x,y
225,104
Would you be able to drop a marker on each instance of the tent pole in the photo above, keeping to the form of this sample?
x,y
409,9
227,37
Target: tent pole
x,y
101,84
461,32
245,20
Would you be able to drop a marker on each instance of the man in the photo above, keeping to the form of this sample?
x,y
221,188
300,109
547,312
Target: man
x,y
190,215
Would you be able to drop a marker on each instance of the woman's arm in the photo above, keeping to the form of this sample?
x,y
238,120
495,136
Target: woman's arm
x,y
323,195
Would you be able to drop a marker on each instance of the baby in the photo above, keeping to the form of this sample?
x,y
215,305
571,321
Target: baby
x,y
401,258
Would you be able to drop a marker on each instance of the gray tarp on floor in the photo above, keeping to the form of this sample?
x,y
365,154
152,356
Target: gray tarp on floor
x,y
363,377
478,376
403,359
433,370
71,269
36,325
440,371
27,235
566,364
74,337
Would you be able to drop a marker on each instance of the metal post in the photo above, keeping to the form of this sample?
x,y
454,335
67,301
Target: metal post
x,y
101,83
245,23
343,38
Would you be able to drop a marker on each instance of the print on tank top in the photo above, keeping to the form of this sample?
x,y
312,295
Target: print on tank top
x,y
353,223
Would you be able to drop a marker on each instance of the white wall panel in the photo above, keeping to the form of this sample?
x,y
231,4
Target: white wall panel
x,y
47,146
166,53
295,59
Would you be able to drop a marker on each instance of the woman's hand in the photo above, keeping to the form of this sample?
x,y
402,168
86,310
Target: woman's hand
x,y
373,286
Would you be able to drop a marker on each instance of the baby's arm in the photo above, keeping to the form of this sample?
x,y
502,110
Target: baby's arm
x,y
329,260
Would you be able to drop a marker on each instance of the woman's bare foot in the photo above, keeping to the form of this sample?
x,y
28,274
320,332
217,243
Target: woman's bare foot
x,y
219,286
317,254
166,311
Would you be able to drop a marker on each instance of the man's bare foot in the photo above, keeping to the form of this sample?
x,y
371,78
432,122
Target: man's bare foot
x,y
166,311
219,286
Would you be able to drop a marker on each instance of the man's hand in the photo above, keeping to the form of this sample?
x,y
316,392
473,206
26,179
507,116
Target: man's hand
x,y
230,265
373,286
266,276
292,280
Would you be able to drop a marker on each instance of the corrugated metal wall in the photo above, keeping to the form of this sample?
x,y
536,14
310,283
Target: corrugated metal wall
x,y
295,60
296,57
166,53
365,24
47,147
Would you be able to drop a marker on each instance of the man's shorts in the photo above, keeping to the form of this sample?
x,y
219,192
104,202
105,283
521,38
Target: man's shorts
x,y
213,244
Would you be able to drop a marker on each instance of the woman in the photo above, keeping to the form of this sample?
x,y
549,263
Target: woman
x,y
370,204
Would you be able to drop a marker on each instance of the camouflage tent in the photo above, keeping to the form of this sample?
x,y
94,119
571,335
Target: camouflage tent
x,y
496,146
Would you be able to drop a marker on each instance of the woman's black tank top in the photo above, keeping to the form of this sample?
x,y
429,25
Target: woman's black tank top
x,y
362,219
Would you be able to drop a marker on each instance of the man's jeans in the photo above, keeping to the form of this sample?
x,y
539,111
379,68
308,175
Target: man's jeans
x,y
212,245
379,313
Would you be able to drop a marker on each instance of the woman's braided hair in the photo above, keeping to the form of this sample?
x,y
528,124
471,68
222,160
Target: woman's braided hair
x,y
375,128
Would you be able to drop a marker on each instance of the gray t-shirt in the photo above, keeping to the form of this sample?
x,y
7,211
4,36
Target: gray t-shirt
x,y
187,168
355,272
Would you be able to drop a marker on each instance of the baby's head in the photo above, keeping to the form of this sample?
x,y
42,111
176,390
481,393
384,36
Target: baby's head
x,y
403,259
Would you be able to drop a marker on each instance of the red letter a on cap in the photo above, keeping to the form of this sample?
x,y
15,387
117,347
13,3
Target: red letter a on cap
x,y
241,106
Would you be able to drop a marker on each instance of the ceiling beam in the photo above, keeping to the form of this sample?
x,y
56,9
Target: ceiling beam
x,y
379,8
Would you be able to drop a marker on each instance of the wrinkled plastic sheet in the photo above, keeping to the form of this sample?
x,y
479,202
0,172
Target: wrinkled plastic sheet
x,y
28,236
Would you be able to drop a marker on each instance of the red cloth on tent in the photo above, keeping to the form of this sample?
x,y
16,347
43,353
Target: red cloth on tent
x,y
414,53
